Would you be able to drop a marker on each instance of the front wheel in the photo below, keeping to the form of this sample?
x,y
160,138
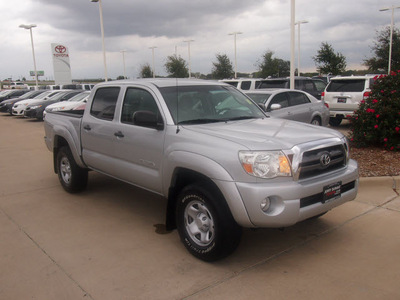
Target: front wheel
x,y
72,177
205,224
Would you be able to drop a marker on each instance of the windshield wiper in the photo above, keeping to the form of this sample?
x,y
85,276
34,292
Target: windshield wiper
x,y
241,118
201,121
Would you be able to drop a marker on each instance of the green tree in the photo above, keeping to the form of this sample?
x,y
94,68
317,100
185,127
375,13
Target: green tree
x,y
176,67
146,71
380,60
120,77
222,68
272,67
329,62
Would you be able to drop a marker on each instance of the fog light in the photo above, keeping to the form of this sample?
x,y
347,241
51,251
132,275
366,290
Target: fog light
x,y
265,204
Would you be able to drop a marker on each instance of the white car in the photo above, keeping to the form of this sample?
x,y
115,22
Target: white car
x,y
19,107
293,105
69,104
344,94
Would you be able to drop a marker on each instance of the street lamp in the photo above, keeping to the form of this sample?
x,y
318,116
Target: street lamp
x,y
292,20
391,34
298,45
123,61
189,41
234,34
33,49
102,37
152,50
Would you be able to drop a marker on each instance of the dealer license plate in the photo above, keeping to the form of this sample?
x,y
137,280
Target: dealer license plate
x,y
332,191
341,100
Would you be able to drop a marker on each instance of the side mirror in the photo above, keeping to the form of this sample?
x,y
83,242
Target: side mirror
x,y
276,106
147,119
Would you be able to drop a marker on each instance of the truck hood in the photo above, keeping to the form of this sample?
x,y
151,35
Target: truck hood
x,y
266,134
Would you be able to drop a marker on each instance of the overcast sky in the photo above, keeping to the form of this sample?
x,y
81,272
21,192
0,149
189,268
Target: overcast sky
x,y
135,25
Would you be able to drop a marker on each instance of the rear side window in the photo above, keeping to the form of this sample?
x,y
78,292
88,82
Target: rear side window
x,y
273,84
104,102
350,85
298,98
245,85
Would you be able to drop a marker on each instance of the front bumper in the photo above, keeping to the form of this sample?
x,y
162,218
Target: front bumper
x,y
33,113
295,201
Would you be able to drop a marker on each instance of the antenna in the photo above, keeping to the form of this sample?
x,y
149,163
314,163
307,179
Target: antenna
x,y
177,107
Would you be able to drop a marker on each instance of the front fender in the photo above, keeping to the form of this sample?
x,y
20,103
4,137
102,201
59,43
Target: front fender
x,y
212,170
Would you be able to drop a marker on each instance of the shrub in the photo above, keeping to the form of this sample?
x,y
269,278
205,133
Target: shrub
x,y
377,120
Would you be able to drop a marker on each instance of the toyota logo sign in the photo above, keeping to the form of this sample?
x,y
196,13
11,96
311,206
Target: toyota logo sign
x,y
60,49
325,160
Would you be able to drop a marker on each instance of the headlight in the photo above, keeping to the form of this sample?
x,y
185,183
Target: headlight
x,y
35,107
265,164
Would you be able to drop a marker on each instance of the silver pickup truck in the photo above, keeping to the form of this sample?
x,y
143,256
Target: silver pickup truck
x,y
212,152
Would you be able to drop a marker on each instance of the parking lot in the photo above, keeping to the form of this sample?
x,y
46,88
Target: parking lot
x,y
108,242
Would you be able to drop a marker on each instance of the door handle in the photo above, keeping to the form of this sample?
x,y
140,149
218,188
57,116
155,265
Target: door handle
x,y
119,134
87,127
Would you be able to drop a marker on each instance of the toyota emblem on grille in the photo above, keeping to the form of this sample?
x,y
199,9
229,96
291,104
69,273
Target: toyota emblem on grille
x,y
325,160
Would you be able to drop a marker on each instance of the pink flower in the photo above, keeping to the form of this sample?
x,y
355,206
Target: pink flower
x,y
377,116
376,126
375,101
392,148
393,91
382,91
370,110
385,140
397,129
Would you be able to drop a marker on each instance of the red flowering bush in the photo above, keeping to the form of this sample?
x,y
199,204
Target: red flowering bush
x,y
377,120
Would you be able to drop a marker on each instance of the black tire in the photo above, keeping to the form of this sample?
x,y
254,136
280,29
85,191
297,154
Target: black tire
x,y
316,121
205,224
72,177
335,121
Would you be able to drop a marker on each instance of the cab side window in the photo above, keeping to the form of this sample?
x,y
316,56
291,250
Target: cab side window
x,y
137,100
245,85
104,102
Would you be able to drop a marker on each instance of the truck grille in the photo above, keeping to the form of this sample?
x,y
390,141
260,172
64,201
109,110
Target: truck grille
x,y
323,160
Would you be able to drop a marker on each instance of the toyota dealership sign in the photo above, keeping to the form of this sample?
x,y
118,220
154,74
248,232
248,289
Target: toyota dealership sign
x,y
61,65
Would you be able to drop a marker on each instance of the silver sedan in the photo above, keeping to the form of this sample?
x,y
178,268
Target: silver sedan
x,y
293,105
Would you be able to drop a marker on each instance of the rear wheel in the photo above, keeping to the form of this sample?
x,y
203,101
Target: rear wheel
x,y
335,121
205,224
316,121
72,177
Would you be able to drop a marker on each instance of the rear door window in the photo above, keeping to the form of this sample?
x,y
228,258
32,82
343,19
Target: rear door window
x,y
346,85
297,98
104,102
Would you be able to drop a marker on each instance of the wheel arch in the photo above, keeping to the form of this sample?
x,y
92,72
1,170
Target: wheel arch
x,y
181,178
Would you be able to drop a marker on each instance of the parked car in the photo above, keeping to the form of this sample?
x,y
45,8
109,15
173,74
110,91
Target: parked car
x,y
15,85
35,109
312,86
12,94
244,84
70,104
6,105
220,163
344,94
19,107
293,105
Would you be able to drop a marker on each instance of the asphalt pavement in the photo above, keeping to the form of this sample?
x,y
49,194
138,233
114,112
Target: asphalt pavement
x,y
107,242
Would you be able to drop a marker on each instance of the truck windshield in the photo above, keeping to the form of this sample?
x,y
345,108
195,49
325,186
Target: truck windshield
x,y
202,104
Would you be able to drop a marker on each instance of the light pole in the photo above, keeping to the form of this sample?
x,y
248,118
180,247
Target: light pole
x,y
154,71
123,61
234,40
298,44
33,50
102,37
391,34
292,18
190,71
